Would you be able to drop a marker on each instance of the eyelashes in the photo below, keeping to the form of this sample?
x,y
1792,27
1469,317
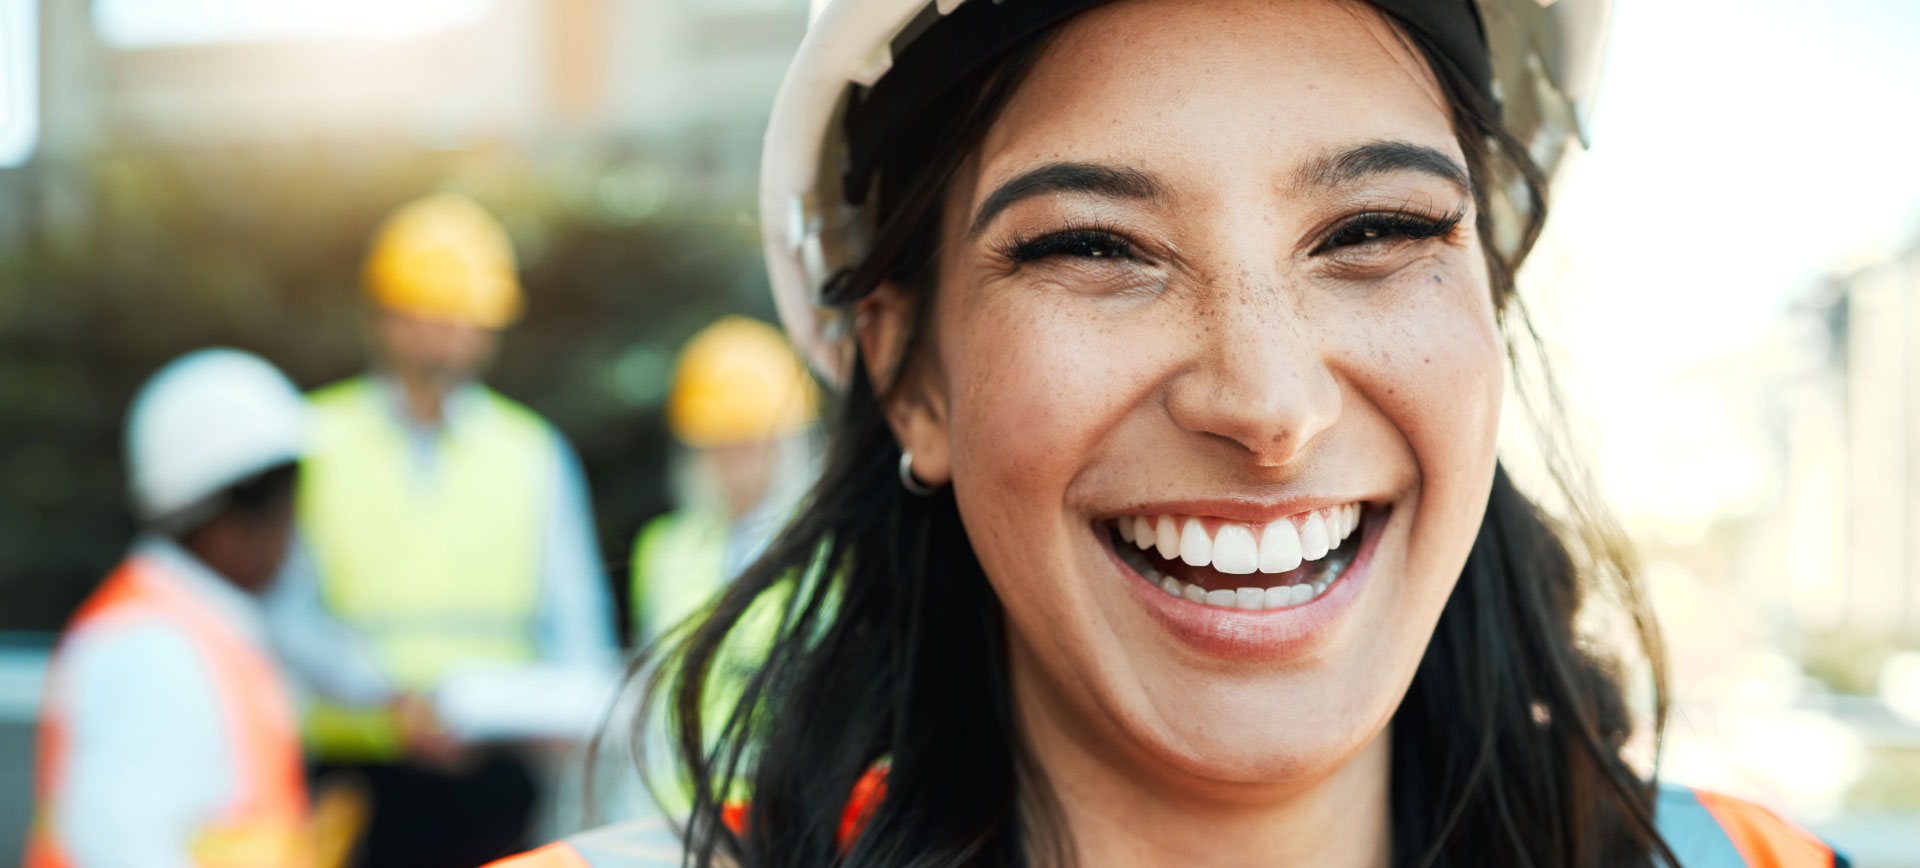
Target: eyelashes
x,y
1376,226
1085,242
1097,242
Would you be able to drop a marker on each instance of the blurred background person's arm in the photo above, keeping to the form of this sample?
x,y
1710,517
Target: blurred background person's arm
x,y
325,655
574,624
150,756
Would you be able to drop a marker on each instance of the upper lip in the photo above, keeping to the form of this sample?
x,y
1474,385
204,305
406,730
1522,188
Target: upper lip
x,y
1249,510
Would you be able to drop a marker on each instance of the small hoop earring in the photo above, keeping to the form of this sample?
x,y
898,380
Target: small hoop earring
x,y
907,480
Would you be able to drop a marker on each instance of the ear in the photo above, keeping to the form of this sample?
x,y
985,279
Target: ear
x,y
911,390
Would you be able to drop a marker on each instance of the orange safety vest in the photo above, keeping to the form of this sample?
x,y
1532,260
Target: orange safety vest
x,y
1705,830
264,824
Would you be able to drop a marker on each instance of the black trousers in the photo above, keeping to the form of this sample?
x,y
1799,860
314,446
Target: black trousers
x,y
428,818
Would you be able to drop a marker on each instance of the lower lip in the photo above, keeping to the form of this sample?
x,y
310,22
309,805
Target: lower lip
x,y
1264,633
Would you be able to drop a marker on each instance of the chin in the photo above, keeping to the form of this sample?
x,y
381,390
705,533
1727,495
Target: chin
x,y
1293,730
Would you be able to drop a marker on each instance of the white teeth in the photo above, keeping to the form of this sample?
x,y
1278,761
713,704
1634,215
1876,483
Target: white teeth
x,y
1279,547
1313,537
1237,549
1166,537
1195,548
1234,551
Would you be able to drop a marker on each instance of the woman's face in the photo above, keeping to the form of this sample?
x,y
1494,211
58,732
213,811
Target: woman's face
x,y
1211,282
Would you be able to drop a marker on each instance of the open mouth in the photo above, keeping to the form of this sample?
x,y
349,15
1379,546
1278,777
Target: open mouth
x,y
1287,562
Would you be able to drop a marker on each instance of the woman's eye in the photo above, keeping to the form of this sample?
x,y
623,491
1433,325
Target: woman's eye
x,y
1076,243
1373,228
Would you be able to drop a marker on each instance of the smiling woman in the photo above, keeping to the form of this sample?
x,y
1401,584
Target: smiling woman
x,y
1163,523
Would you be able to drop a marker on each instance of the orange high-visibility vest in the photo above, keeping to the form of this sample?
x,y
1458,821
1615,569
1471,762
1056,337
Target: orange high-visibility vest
x,y
652,843
1705,830
264,824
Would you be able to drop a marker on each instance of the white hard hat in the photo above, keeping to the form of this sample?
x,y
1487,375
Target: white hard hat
x,y
205,421
1540,60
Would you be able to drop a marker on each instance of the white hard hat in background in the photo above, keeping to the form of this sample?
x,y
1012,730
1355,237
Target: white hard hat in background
x,y
1545,58
205,421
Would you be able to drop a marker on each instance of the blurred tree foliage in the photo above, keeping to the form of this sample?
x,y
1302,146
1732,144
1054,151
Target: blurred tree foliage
x,y
164,251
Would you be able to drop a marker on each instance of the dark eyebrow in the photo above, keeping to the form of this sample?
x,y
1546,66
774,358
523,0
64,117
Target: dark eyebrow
x,y
1114,182
1379,158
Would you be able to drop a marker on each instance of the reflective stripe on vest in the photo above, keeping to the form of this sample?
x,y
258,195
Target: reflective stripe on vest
x,y
264,823
435,566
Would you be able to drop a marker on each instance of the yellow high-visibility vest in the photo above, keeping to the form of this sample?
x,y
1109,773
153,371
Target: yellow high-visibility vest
x,y
677,569
678,573
434,568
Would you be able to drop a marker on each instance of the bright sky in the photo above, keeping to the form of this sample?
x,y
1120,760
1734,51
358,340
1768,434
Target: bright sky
x,y
1740,148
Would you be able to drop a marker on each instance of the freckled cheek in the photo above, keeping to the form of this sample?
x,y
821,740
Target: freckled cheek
x,y
1441,387
1031,389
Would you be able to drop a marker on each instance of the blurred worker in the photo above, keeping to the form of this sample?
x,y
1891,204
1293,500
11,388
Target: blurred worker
x,y
444,527
741,402
169,738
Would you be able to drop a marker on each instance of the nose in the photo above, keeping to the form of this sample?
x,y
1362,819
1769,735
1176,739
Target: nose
x,y
1257,377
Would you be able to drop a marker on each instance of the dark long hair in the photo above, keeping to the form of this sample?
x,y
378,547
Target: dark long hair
x,y
1506,748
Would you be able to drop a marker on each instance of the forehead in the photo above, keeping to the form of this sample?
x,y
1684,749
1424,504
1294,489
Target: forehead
x,y
1188,89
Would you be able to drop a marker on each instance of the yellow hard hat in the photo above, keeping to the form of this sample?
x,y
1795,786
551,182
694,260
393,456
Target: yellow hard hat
x,y
444,257
737,381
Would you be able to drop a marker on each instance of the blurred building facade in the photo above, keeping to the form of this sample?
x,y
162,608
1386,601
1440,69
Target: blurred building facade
x,y
689,81
1851,422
